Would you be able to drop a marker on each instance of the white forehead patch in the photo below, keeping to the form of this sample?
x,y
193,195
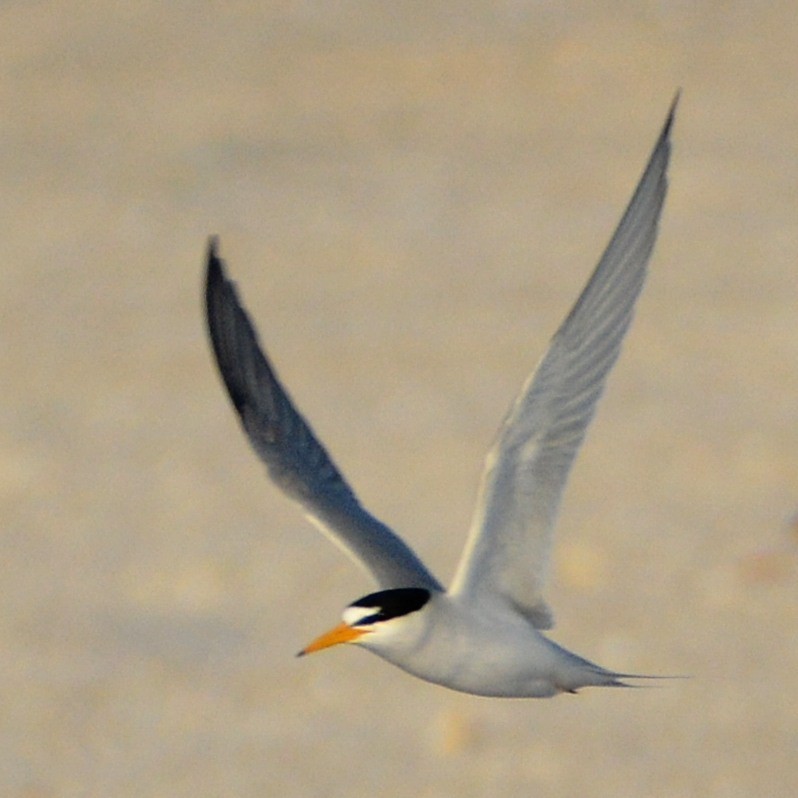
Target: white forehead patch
x,y
353,615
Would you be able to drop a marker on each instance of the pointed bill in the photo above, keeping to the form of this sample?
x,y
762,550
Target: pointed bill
x,y
343,633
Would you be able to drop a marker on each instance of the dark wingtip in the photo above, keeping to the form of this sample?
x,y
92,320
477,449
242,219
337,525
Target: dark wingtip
x,y
226,323
215,263
666,130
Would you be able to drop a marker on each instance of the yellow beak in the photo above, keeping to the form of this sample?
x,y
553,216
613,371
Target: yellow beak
x,y
343,633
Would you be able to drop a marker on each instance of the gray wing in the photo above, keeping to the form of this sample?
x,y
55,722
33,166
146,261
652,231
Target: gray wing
x,y
509,546
295,459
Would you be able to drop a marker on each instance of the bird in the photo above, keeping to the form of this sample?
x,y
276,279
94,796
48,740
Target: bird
x,y
483,635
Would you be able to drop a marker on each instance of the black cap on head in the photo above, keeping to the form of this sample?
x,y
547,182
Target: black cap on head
x,y
394,603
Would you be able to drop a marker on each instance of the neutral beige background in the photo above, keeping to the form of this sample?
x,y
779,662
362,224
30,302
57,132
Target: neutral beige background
x,y
410,195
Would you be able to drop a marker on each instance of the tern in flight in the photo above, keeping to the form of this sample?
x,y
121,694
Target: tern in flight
x,y
484,635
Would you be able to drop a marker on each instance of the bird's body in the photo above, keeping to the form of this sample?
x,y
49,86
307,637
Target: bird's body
x,y
454,646
484,634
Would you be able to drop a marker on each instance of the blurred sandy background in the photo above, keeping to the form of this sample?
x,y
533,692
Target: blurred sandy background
x,y
410,196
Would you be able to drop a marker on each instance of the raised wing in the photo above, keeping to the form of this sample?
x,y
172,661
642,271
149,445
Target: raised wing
x,y
295,459
509,546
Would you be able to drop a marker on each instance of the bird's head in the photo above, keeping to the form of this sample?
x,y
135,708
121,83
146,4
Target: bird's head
x,y
373,619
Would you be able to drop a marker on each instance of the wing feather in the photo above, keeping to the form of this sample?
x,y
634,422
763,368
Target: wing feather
x,y
296,460
509,547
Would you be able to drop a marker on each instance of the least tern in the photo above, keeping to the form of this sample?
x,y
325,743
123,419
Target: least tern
x,y
484,634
